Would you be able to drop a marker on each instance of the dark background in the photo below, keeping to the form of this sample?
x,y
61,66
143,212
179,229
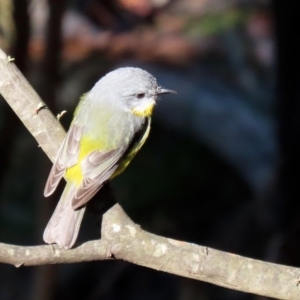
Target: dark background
x,y
221,165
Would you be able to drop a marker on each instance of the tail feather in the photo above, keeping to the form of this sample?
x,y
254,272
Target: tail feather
x,y
63,227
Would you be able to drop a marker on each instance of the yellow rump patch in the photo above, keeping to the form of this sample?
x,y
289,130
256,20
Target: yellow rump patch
x,y
86,146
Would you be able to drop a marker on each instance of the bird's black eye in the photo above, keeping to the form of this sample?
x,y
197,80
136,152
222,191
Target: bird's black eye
x,y
140,96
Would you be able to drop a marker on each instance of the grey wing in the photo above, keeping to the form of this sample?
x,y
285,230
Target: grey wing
x,y
67,156
97,167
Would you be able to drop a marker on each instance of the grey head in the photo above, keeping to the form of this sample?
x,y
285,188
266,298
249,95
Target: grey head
x,y
132,89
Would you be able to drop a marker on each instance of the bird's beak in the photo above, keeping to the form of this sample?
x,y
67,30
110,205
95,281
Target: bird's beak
x,y
165,91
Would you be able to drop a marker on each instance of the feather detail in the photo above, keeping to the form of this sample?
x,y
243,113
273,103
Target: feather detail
x,y
67,156
96,168
63,227
64,224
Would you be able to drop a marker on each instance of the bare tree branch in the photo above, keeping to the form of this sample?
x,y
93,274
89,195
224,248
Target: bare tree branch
x,y
121,238
29,107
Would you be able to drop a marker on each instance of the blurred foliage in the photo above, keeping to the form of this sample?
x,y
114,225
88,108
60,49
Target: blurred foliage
x,y
215,23
7,25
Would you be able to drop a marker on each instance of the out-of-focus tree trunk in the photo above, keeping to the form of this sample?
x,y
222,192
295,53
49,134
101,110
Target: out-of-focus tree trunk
x,y
45,278
19,51
288,82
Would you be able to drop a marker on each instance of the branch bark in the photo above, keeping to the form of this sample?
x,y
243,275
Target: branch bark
x,y
121,238
29,107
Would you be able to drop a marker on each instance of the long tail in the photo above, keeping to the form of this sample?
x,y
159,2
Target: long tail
x,y
63,227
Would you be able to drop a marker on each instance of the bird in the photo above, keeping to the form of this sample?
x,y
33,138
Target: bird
x,y
110,125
